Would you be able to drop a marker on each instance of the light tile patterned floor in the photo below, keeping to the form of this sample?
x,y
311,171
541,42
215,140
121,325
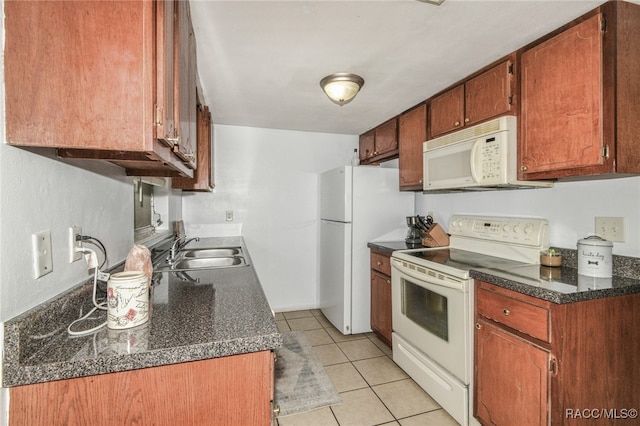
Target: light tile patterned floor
x,y
374,390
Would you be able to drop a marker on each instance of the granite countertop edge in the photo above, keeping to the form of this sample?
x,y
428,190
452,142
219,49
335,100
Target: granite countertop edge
x,y
550,295
625,277
16,373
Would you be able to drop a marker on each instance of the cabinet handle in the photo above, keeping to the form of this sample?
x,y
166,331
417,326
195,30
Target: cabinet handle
x,y
388,281
523,168
379,263
457,123
478,326
276,410
420,181
159,116
506,311
466,120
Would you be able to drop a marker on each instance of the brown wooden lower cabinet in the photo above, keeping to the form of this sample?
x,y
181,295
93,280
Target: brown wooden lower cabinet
x,y
581,367
234,390
381,296
512,378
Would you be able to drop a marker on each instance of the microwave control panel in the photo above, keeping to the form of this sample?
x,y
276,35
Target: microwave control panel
x,y
491,162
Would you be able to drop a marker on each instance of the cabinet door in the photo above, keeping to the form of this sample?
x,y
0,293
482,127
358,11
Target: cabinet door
x,y
96,70
231,390
165,113
381,305
561,113
511,379
367,145
412,132
185,86
447,111
386,137
203,179
489,94
67,87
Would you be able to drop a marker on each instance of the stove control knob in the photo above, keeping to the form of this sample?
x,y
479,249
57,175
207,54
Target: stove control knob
x,y
528,229
506,228
516,228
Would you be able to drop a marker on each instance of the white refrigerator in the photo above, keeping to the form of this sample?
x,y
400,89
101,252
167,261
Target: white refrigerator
x,y
357,204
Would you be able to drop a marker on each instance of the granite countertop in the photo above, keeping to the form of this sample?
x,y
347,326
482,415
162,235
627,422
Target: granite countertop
x,y
389,247
558,285
195,315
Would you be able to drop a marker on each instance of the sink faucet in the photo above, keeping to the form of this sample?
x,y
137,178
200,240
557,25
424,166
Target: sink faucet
x,y
176,246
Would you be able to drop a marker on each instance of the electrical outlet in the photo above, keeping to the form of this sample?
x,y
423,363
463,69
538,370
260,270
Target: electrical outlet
x,y
41,251
610,228
74,231
229,215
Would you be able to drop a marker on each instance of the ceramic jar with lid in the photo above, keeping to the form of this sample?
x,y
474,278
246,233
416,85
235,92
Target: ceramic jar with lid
x,y
595,257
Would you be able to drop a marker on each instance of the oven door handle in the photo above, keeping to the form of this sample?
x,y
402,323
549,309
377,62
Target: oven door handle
x,y
456,284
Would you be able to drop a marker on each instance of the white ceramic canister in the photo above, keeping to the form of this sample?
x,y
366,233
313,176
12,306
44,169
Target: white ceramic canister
x,y
594,257
127,299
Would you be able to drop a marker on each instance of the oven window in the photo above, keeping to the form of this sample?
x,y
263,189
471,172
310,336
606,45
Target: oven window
x,y
426,308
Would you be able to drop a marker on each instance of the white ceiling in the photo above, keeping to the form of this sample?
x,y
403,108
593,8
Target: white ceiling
x,y
260,62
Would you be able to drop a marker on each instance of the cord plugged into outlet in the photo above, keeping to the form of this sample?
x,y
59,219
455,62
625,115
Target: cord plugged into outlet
x,y
75,243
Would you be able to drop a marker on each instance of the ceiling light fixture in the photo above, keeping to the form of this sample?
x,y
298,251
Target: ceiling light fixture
x,y
341,87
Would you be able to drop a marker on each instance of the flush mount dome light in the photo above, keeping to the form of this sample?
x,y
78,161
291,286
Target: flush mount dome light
x,y
341,87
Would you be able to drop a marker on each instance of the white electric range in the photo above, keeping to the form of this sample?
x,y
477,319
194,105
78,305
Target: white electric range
x,y
432,301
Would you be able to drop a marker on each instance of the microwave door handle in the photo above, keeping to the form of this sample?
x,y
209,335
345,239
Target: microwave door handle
x,y
474,151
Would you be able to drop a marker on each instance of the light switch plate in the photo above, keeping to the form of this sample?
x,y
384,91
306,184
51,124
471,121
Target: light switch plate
x,y
610,228
41,251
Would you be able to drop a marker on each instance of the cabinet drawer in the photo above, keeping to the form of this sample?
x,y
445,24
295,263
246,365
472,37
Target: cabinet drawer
x,y
381,263
517,314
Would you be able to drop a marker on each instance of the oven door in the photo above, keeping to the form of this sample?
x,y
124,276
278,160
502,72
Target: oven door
x,y
431,313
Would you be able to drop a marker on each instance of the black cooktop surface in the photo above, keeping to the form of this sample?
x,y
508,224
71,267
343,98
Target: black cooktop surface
x,y
461,259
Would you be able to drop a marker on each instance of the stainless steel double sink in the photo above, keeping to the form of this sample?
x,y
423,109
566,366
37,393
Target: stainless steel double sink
x,y
189,259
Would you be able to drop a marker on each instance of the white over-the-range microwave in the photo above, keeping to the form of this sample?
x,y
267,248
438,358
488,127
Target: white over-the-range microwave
x,y
481,157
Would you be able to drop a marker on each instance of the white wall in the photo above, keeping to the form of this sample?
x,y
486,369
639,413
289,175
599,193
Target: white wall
x,y
570,208
269,178
40,193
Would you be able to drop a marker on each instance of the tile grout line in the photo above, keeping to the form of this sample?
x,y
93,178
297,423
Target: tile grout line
x,y
370,338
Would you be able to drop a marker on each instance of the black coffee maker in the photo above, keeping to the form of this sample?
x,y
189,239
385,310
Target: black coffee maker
x,y
414,235
419,226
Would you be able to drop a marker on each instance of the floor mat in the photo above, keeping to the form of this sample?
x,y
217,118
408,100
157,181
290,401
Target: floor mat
x,y
301,382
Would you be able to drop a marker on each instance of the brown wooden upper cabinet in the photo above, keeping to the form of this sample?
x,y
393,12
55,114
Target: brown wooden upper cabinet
x,y
203,179
96,80
485,95
367,145
381,143
185,48
412,132
581,97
